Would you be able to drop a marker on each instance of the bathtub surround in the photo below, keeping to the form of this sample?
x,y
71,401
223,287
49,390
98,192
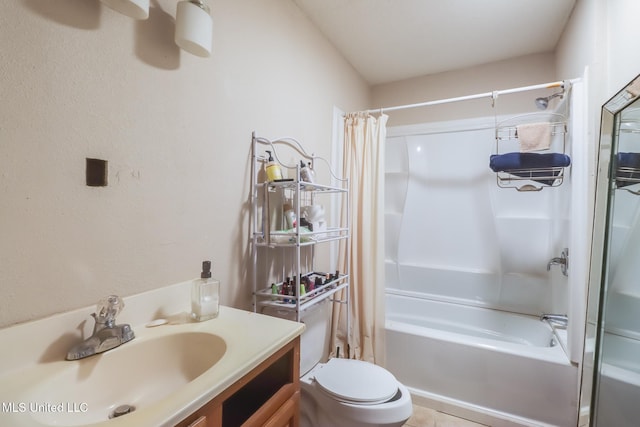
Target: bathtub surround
x,y
432,206
457,239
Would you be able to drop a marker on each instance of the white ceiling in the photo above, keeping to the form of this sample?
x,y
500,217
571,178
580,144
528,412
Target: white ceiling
x,y
390,40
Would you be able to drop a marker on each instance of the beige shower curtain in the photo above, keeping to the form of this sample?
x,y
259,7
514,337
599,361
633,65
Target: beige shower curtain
x,y
363,165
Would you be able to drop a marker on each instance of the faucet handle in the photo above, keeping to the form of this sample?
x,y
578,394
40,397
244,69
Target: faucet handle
x,y
109,307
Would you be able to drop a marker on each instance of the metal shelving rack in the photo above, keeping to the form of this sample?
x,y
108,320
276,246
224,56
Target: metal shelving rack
x,y
293,241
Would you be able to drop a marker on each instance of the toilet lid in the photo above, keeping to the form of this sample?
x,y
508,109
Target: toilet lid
x,y
356,381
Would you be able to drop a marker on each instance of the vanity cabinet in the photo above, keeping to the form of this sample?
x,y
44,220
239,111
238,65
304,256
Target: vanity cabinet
x,y
268,396
297,231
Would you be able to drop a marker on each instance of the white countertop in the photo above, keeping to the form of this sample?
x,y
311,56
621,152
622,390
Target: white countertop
x,y
33,352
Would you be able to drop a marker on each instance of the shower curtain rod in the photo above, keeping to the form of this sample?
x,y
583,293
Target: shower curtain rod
x,y
493,95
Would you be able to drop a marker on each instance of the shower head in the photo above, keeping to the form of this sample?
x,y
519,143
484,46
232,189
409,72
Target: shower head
x,y
543,103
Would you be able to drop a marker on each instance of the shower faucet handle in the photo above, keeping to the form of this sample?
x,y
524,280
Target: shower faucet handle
x,y
562,260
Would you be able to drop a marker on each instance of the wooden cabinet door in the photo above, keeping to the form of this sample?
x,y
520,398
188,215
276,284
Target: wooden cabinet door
x,y
288,415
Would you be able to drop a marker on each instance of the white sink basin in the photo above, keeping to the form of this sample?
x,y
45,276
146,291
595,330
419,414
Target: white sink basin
x,y
138,373
167,372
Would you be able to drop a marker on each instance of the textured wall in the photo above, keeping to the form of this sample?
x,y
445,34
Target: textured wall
x,y
82,81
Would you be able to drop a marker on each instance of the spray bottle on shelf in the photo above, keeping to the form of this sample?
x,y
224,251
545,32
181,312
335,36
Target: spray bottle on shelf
x,y
273,169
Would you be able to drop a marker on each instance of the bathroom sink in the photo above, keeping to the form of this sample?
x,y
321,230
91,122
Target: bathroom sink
x,y
132,376
167,372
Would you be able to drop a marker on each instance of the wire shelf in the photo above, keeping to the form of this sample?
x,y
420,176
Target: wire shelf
x,y
534,178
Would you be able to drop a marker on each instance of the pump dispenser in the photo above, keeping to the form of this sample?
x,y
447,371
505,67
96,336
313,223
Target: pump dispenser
x,y
205,295
312,173
306,174
273,169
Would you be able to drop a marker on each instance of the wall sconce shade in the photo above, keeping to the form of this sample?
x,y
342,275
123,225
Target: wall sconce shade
x,y
194,27
137,9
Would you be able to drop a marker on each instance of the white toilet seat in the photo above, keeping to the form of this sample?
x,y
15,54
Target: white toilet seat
x,y
356,382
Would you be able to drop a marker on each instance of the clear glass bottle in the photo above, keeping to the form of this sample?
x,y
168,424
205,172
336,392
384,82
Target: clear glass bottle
x,y
205,295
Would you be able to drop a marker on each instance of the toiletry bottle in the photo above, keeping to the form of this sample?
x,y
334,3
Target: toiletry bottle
x,y
312,173
285,290
273,169
306,174
289,215
205,295
303,289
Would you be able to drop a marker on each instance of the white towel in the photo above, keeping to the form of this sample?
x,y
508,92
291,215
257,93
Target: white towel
x,y
534,136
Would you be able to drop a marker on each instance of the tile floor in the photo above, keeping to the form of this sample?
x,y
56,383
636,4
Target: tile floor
x,y
425,417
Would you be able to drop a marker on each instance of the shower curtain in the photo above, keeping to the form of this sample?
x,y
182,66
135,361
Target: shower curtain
x,y
363,165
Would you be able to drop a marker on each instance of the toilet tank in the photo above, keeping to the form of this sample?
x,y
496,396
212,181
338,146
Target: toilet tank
x,y
314,342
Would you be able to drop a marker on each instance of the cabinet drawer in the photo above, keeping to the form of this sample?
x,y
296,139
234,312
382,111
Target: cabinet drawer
x,y
272,406
200,422
288,415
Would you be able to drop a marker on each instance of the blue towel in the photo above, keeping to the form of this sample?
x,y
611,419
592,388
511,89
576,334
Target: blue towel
x,y
631,174
530,165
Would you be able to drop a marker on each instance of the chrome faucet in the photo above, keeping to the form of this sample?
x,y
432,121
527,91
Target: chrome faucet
x,y
562,260
556,319
106,334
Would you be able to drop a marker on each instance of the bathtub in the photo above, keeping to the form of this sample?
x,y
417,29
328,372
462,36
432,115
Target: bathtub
x,y
490,366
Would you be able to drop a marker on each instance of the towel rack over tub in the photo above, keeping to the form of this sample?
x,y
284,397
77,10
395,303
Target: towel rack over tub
x,y
627,171
627,159
531,178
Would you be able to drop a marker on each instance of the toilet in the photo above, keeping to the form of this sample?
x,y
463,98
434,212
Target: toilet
x,y
343,392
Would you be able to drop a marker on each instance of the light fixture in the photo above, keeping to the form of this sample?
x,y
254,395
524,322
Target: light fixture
x,y
137,9
194,27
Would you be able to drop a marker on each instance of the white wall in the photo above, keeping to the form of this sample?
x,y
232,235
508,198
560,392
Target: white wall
x,y
507,74
80,80
601,35
623,32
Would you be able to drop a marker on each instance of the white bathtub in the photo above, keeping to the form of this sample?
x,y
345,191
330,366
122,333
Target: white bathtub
x,y
486,365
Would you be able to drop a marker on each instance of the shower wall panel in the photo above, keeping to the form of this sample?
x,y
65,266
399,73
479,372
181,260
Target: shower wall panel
x,y
453,234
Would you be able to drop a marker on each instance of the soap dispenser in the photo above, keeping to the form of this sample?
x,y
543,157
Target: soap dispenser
x,y
274,172
306,173
205,295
